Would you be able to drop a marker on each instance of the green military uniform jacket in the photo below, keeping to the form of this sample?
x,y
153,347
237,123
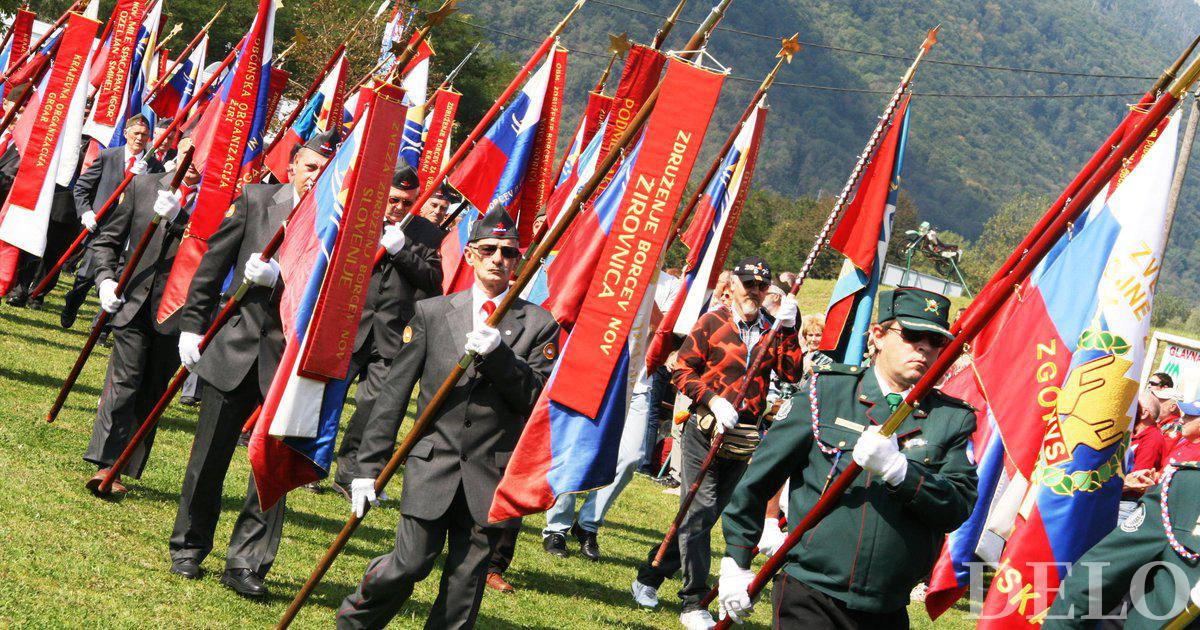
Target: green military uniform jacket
x,y
1140,541
878,541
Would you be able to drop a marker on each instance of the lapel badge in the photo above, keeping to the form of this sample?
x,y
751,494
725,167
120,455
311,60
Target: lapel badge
x,y
229,212
407,336
550,351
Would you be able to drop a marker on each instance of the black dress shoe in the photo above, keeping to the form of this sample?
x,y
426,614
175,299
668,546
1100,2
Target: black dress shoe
x,y
244,582
18,297
186,567
555,545
35,304
343,488
587,542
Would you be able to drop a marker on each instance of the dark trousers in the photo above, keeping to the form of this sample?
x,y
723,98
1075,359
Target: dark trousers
x,y
506,548
798,605
372,371
389,579
693,549
256,533
139,371
59,235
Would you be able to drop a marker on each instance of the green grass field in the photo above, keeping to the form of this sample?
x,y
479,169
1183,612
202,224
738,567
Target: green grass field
x,y
72,560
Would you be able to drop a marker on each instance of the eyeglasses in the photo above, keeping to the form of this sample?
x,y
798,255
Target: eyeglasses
x,y
756,285
1156,384
487,251
914,337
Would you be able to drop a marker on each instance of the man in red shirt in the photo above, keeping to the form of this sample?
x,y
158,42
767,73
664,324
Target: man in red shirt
x,y
1188,447
1146,456
711,367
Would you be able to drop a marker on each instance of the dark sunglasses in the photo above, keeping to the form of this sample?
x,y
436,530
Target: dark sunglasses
x,y
915,336
487,251
756,285
1156,384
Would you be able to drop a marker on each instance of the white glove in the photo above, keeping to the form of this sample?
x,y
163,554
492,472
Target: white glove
x,y
482,340
362,492
733,591
772,537
881,456
167,205
189,349
261,273
109,300
392,238
788,312
726,415
138,167
88,220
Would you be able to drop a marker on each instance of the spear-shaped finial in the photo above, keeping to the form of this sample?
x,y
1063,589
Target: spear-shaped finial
x,y
931,38
666,27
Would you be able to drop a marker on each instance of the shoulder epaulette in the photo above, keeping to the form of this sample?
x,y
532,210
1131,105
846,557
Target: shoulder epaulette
x,y
839,368
951,400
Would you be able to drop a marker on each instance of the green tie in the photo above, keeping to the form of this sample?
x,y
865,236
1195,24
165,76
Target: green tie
x,y
894,401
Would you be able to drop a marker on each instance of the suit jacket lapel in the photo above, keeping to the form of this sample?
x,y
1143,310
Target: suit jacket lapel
x,y
460,316
513,324
281,205
872,397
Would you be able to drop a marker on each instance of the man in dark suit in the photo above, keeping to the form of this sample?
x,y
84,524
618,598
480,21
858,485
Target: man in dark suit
x,y
411,271
236,370
452,472
142,359
92,188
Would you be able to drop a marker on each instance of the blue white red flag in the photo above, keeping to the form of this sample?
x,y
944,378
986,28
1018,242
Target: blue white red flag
x,y
1055,376
416,95
392,32
862,237
178,88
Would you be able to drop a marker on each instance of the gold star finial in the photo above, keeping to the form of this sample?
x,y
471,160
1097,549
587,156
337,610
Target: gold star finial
x,y
619,44
443,12
790,47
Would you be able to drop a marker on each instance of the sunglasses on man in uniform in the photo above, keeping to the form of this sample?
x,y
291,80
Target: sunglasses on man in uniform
x,y
914,337
1156,383
487,251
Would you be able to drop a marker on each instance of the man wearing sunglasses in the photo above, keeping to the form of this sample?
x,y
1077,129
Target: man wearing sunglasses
x,y
455,466
411,271
711,368
858,566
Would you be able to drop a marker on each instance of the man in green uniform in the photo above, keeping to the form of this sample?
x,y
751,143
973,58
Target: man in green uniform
x,y
1150,556
856,568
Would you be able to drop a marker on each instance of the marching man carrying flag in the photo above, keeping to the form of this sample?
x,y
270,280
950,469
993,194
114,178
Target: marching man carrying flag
x,y
453,470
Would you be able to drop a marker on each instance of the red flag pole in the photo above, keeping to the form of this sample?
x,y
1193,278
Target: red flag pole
x,y
183,56
122,283
980,313
543,249
16,65
1092,164
755,364
116,194
463,149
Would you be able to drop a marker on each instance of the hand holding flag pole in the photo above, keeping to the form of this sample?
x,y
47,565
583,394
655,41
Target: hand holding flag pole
x,y
980,312
1097,158
761,349
126,274
154,89
44,285
433,407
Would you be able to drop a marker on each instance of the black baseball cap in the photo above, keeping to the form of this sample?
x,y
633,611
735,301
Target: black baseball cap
x,y
752,268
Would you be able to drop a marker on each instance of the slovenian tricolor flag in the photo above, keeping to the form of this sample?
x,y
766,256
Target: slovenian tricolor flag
x,y
293,438
178,88
492,173
862,236
710,235
1055,379
313,119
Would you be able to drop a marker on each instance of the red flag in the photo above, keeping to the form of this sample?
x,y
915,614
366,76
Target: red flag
x,y
437,137
26,211
642,69
631,251
241,104
22,36
114,77
538,183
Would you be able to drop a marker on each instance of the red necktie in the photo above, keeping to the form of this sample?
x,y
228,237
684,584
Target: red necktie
x,y
130,164
489,307
185,194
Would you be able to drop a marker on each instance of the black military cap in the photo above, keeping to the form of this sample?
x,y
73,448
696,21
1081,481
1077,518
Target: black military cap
x,y
446,192
752,268
916,309
495,224
405,178
324,144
